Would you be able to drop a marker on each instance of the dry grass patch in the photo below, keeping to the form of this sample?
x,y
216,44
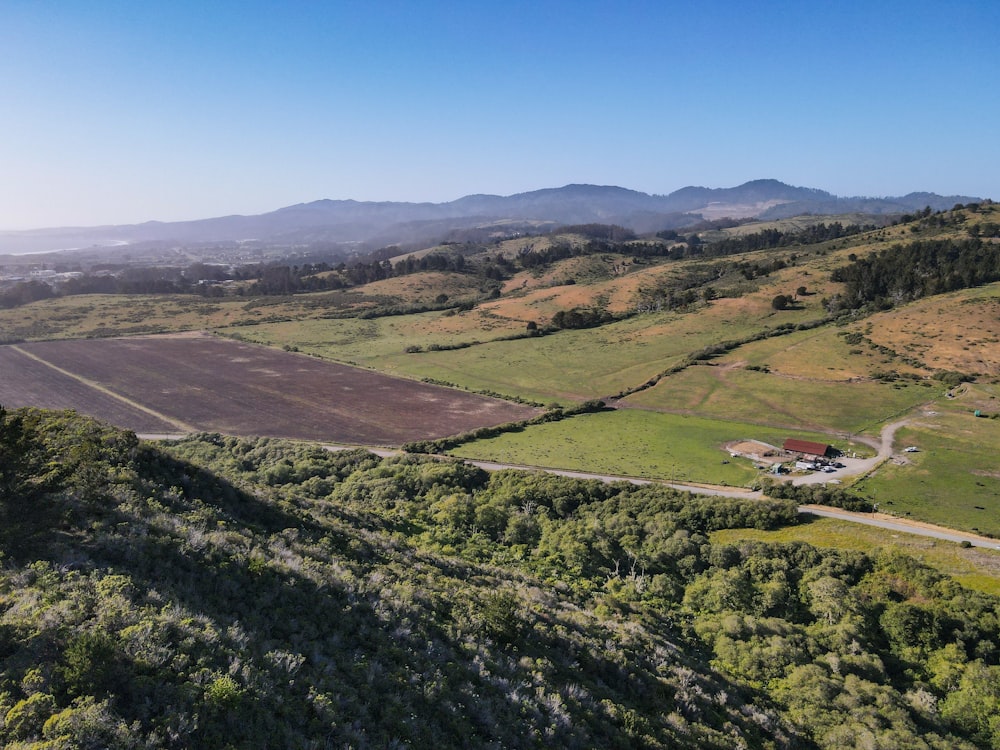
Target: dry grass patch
x,y
819,354
539,298
423,288
958,331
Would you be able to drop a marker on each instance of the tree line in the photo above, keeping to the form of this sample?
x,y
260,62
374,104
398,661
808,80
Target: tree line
x,y
903,273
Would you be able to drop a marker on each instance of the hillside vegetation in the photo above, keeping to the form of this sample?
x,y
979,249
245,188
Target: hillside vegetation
x,y
224,592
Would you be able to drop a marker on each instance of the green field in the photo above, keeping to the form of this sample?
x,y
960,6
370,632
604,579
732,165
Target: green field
x,y
953,480
763,398
974,567
372,342
568,365
634,443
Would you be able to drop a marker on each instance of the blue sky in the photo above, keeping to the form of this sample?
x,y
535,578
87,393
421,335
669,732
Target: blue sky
x,y
121,112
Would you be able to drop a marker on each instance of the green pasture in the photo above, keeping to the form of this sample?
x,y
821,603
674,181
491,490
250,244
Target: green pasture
x,y
954,479
974,567
817,354
376,342
713,390
634,443
577,365
569,366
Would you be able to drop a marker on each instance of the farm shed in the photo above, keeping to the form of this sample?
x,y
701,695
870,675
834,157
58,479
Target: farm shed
x,y
809,449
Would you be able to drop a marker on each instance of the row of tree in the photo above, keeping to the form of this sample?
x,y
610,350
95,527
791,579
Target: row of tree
x,y
903,273
771,238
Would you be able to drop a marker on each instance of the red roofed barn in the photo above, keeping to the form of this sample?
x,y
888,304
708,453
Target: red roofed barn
x,y
808,448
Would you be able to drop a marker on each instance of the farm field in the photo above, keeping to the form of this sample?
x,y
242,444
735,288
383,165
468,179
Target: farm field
x,y
27,382
214,384
634,443
974,567
369,341
576,365
569,365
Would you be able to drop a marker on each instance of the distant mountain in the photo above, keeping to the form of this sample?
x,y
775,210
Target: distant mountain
x,y
370,224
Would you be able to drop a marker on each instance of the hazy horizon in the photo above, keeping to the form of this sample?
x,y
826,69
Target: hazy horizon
x,y
277,208
128,114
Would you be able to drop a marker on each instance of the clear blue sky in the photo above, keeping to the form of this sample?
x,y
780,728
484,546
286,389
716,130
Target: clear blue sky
x,y
120,112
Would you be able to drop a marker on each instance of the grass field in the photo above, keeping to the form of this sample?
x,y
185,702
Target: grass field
x,y
728,392
569,365
103,315
634,443
954,479
958,331
819,354
376,342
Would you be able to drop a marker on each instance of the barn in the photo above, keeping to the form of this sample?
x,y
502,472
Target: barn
x,y
809,449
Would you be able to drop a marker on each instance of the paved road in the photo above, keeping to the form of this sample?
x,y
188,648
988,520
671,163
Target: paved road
x,y
880,520
891,523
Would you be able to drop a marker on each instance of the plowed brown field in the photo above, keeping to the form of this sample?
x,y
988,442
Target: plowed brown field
x,y
199,382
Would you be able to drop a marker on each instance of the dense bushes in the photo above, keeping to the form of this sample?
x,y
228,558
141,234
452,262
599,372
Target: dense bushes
x,y
246,593
817,494
483,433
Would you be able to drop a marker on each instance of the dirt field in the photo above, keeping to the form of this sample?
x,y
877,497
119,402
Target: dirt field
x,y
26,382
757,451
211,384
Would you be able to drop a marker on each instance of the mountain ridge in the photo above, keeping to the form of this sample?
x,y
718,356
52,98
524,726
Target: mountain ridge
x,y
349,221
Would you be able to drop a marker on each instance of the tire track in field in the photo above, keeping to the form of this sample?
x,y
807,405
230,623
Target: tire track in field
x,y
182,426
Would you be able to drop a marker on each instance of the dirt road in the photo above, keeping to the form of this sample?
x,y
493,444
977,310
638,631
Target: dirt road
x,y
855,467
